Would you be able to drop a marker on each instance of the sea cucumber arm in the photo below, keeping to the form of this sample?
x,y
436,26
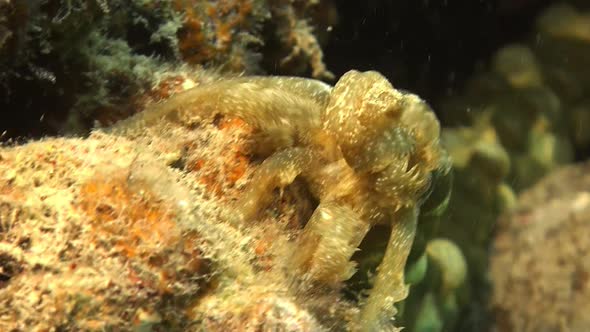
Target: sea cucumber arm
x,y
389,286
264,102
279,170
328,241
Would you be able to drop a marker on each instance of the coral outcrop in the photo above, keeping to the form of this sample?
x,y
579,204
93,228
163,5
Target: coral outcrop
x,y
540,265
107,233
90,238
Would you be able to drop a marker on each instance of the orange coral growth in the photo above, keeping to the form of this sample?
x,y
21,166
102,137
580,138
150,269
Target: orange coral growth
x,y
241,160
192,41
242,9
225,17
134,218
167,88
140,226
263,251
223,171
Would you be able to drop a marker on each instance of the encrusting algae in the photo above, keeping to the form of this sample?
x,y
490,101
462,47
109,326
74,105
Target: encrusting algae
x,y
245,256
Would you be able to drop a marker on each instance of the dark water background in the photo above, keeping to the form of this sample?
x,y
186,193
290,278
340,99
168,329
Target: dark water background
x,y
427,47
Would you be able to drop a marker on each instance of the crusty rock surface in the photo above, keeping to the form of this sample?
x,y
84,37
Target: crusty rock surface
x,y
541,257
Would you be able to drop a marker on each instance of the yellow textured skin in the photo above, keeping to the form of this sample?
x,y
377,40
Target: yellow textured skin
x,y
365,150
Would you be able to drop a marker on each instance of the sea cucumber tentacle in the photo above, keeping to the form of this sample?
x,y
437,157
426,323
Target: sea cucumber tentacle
x,y
290,103
327,258
389,286
277,171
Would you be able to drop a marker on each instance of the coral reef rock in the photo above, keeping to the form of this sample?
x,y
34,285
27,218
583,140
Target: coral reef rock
x,y
540,265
